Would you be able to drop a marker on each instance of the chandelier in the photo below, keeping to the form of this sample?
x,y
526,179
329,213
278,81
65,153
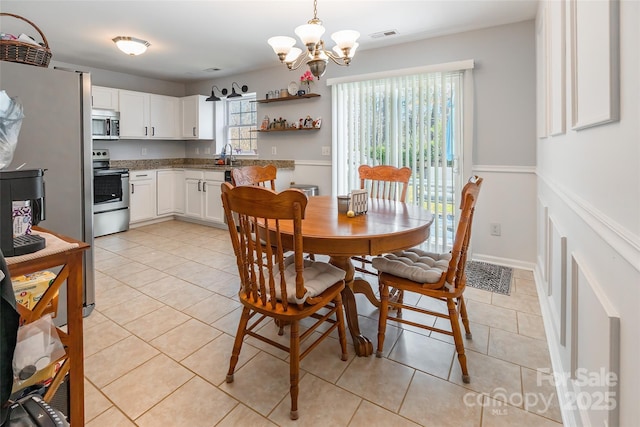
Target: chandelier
x,y
316,57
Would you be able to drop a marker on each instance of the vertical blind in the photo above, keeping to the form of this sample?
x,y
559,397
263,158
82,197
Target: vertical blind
x,y
411,120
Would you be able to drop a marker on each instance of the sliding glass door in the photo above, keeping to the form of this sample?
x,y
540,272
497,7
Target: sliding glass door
x,y
413,121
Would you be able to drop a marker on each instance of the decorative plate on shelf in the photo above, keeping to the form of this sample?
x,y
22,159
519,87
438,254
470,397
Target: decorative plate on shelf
x,y
292,88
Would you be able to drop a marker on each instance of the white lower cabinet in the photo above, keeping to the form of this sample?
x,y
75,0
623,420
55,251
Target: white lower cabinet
x,y
142,197
170,192
202,195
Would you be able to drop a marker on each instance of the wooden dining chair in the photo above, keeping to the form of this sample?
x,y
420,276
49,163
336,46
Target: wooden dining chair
x,y
272,286
385,182
381,182
255,175
440,276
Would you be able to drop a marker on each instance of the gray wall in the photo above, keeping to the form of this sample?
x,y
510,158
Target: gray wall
x,y
100,77
504,88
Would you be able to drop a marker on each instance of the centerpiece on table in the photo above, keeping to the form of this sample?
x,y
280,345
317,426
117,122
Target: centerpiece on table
x,y
305,81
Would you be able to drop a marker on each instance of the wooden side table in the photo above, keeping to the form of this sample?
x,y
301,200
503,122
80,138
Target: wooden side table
x,y
66,252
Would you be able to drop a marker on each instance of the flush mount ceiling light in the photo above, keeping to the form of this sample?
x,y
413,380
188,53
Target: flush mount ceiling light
x,y
316,57
131,45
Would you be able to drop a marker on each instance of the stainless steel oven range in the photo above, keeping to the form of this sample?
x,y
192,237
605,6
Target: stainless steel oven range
x,y
110,195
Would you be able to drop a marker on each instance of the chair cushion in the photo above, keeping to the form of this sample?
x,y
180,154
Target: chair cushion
x,y
414,264
318,276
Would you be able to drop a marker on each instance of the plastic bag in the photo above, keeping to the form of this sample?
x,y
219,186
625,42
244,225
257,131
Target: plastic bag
x,y
38,346
11,116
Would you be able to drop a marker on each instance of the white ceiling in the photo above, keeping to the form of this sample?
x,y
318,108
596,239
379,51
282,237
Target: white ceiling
x,y
189,37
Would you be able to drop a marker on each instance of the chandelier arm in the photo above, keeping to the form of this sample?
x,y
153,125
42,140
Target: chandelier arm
x,y
301,59
336,59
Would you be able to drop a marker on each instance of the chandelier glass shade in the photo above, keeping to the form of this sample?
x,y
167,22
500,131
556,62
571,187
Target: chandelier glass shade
x,y
315,55
131,45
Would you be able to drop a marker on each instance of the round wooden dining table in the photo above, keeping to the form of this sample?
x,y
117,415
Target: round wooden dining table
x,y
387,226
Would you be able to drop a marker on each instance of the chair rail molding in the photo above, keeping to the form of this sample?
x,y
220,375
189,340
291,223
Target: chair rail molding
x,y
504,169
623,241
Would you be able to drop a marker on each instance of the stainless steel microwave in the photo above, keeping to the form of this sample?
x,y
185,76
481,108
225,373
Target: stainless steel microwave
x,y
105,124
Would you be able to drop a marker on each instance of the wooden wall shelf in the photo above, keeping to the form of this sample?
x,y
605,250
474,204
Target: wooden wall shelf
x,y
285,130
288,98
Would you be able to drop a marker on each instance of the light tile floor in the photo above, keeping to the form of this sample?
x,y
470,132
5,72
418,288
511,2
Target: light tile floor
x,y
157,350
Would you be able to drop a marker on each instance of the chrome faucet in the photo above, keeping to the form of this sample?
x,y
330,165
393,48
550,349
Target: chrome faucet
x,y
227,160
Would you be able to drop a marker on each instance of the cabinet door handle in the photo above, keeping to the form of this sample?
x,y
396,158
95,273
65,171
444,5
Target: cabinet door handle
x,y
132,189
204,186
194,131
199,185
153,131
146,131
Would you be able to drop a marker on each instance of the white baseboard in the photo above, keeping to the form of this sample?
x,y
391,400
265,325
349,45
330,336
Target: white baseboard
x,y
506,262
562,387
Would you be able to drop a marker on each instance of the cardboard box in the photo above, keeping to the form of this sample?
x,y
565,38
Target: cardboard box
x,y
29,288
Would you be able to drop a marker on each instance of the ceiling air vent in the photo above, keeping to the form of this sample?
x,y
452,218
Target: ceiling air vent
x,y
386,33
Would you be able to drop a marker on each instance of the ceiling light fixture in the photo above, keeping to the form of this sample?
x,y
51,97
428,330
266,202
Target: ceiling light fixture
x,y
213,96
131,45
316,57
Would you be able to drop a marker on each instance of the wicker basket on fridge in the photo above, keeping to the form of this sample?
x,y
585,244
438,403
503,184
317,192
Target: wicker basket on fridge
x,y
25,53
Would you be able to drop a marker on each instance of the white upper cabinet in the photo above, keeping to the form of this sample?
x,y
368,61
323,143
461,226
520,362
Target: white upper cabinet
x,y
134,115
163,115
104,97
144,115
197,117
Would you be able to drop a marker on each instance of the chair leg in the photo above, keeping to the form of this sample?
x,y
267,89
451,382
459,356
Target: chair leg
x,y
342,334
457,337
294,367
382,320
237,344
465,319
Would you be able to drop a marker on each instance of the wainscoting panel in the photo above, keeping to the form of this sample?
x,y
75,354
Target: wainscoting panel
x,y
557,282
595,349
594,62
543,238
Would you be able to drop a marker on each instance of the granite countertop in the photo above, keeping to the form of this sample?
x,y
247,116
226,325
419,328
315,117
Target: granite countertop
x,y
196,164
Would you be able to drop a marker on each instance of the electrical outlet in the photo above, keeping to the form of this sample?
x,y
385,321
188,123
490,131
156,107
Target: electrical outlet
x,y
495,229
207,150
274,150
143,152
326,150
197,150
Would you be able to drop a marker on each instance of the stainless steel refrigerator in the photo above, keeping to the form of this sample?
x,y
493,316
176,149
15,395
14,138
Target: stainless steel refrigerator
x,y
56,136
